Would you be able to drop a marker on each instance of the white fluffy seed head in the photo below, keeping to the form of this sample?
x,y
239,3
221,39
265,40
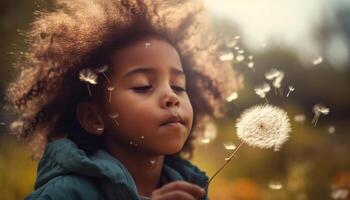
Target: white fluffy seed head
x,y
264,126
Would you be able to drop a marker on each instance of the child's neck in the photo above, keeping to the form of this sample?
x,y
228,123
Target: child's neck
x,y
144,168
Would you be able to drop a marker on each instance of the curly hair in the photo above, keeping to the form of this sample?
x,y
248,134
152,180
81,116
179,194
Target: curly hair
x,y
82,33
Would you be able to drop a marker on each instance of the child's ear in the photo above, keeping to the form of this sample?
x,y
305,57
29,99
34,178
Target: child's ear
x,y
90,118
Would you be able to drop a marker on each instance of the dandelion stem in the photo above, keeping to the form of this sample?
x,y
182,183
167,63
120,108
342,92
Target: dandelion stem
x,y
104,74
110,97
226,162
89,90
288,93
315,119
267,101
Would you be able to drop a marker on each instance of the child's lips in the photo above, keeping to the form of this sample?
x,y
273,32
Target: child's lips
x,y
173,121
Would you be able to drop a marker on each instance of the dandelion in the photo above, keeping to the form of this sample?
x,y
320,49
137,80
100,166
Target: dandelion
x,y
262,90
87,75
226,56
263,126
102,70
240,58
317,61
299,118
319,109
114,117
290,89
110,90
232,97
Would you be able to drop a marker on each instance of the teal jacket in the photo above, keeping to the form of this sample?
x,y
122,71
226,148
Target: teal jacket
x,y
66,172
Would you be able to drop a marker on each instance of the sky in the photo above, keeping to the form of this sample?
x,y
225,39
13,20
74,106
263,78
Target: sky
x,y
288,22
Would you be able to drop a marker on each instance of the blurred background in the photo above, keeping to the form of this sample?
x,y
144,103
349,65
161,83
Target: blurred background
x,y
308,41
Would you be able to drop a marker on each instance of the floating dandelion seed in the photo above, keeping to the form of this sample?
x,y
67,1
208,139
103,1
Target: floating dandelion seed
x,y
230,146
262,90
142,137
250,64
231,44
2,123
227,56
340,193
331,129
114,118
299,118
209,133
147,44
110,90
250,57
263,126
237,48
232,97
275,185
152,161
102,70
87,75
277,81
240,58
237,37
264,45
319,109
272,74
290,89
241,51
317,61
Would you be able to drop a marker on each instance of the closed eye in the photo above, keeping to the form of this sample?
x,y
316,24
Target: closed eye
x,y
142,88
179,89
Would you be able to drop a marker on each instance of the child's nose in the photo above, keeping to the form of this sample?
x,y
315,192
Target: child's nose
x,y
169,99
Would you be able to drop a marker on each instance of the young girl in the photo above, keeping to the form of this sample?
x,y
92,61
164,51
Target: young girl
x,y
112,94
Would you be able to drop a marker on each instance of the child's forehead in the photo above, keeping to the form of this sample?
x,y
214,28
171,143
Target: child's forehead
x,y
147,52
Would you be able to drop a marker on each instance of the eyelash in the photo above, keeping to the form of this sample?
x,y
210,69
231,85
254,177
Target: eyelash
x,y
147,87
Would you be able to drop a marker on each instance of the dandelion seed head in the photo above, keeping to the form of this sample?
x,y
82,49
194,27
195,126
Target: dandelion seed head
x,y
263,126
226,56
232,97
88,75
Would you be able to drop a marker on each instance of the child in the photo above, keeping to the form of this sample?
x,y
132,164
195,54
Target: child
x,y
114,93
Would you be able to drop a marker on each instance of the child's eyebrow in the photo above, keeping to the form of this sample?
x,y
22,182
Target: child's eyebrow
x,y
149,70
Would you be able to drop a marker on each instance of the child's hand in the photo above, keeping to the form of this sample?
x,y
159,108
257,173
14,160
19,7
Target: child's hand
x,y
178,190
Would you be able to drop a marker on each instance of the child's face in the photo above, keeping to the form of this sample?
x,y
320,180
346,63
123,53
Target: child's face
x,y
149,81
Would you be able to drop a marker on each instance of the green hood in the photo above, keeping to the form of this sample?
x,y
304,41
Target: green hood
x,y
62,158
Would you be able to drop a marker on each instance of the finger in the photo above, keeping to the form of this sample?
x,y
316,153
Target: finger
x,y
192,189
174,195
